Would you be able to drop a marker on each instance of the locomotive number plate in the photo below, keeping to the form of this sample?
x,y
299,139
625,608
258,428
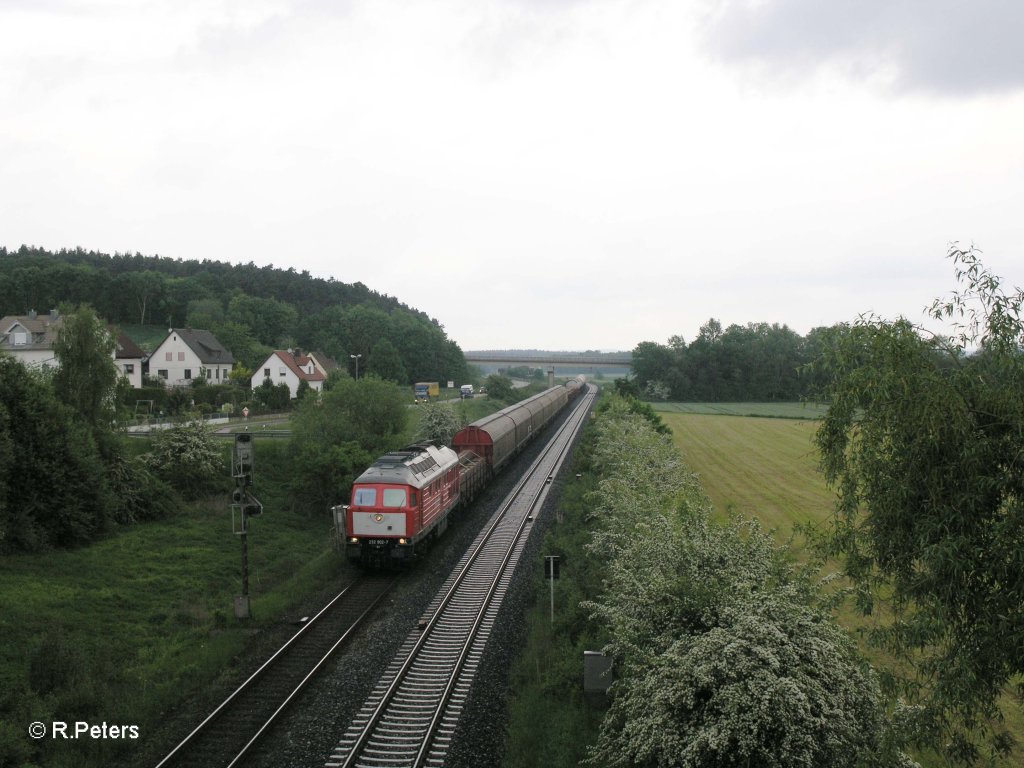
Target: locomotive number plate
x,y
377,542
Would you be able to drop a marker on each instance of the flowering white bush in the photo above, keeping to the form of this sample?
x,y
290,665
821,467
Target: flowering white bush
x,y
438,422
721,659
187,458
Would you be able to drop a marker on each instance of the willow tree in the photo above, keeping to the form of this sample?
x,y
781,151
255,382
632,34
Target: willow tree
x,y
924,441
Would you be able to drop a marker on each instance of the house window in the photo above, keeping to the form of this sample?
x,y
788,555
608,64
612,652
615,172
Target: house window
x,y
209,373
169,356
218,373
162,373
282,370
188,373
129,369
181,356
20,338
266,373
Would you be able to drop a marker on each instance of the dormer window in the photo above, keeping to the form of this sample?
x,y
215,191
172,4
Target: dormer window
x,y
19,338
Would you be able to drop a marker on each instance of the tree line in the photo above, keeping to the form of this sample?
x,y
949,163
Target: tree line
x,y
757,362
251,310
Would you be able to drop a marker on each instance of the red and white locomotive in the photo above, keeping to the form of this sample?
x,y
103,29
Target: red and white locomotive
x,y
405,499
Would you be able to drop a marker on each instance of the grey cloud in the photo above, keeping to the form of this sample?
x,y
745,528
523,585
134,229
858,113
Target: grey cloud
x,y
951,47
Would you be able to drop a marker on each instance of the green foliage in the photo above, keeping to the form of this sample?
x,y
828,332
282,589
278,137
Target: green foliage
x,y
152,630
250,309
385,363
438,422
500,389
86,377
923,441
270,397
723,657
336,436
54,488
138,494
770,684
271,322
187,458
754,362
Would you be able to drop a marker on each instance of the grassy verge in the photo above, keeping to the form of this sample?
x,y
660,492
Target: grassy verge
x,y
126,629
551,723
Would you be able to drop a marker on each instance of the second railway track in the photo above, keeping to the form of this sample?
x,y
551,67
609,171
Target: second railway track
x,y
225,736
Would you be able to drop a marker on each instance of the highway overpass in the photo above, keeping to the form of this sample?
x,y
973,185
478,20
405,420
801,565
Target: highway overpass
x,y
566,362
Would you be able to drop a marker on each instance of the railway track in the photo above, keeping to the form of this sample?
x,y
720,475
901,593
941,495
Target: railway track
x,y
225,737
410,717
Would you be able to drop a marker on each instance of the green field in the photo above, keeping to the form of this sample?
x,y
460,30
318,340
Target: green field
x,y
766,468
768,410
758,467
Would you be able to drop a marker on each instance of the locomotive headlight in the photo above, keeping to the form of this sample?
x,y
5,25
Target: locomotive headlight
x,y
378,518
403,541
353,540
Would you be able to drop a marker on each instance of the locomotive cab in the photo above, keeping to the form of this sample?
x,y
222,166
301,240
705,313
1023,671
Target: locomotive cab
x,y
399,502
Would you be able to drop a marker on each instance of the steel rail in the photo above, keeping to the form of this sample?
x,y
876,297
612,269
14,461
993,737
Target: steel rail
x,y
388,695
263,668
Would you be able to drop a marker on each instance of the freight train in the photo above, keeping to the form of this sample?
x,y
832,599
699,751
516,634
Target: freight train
x,y
405,500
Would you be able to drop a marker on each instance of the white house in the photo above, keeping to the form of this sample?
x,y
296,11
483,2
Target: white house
x,y
30,339
129,356
188,354
285,366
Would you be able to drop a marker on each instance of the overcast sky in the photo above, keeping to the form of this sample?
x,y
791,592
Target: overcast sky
x,y
563,174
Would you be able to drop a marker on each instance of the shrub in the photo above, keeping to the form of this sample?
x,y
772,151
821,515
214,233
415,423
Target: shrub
x,y
187,458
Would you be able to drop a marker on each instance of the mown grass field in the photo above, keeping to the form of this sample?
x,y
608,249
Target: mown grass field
x,y
766,468
767,410
757,467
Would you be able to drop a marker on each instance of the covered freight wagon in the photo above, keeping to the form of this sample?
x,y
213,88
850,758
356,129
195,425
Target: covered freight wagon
x,y
501,435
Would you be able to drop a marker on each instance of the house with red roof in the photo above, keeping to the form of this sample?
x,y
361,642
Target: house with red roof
x,y
288,366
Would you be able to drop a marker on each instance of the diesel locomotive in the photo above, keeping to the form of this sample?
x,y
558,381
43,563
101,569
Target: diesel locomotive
x,y
406,498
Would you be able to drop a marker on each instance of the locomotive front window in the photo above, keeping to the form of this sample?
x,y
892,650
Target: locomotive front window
x,y
365,497
394,497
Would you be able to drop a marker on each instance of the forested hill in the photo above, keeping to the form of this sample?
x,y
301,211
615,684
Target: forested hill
x,y
252,310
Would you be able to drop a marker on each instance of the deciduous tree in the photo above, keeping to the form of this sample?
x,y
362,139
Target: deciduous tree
x,y
336,436
923,441
55,481
86,378
499,388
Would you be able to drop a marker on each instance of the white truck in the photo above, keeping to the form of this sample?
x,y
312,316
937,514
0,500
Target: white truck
x,y
466,390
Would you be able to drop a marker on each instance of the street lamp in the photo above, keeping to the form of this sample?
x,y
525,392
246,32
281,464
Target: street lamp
x,y
356,358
